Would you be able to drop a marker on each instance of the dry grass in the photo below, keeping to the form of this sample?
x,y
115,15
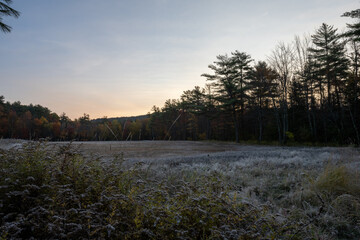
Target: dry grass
x,y
298,193
338,180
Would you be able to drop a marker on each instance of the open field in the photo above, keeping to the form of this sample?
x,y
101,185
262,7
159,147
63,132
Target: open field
x,y
208,154
185,190
154,151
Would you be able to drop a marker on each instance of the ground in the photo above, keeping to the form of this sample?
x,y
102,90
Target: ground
x,y
204,151
200,155
308,192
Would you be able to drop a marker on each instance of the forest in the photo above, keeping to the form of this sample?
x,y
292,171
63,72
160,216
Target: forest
x,y
306,91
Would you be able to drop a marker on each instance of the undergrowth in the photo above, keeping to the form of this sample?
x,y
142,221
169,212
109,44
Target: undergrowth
x,y
59,193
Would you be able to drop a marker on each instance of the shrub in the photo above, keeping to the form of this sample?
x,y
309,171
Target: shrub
x,y
289,136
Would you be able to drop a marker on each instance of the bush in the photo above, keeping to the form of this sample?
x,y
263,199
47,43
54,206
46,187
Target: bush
x,y
289,136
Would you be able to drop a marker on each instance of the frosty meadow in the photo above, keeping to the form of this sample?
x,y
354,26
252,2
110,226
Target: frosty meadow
x,y
178,190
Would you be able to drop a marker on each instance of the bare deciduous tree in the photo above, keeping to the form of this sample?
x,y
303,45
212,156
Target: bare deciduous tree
x,y
282,60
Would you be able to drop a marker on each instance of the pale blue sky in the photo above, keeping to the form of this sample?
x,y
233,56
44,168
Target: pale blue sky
x,y
119,58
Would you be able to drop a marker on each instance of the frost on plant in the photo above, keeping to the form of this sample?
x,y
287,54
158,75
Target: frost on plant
x,y
275,193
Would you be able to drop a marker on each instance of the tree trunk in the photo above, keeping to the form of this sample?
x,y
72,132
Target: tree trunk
x,y
236,125
285,122
355,127
278,123
324,125
260,124
308,113
314,125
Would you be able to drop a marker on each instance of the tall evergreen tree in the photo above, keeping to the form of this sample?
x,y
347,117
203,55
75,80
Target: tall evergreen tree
x,y
352,87
262,90
193,103
225,83
329,53
242,68
332,65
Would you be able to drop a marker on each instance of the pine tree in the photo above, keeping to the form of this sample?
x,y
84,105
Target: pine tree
x,y
262,89
242,68
329,55
353,29
6,10
193,103
331,66
352,86
224,81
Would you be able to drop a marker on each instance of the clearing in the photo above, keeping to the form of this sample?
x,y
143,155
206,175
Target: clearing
x,y
200,152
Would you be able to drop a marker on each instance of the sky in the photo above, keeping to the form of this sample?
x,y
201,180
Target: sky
x,y
121,57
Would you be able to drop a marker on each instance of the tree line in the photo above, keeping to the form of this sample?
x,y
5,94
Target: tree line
x,y
305,91
35,122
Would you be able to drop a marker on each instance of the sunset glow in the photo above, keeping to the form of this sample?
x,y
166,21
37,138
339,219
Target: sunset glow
x,y
119,58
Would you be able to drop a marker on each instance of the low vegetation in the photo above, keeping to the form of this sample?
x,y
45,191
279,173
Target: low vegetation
x,y
48,192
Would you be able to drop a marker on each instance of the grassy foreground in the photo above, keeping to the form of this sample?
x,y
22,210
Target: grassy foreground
x,y
59,193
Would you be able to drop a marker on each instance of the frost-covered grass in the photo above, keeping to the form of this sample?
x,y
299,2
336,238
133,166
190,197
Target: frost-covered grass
x,y
256,193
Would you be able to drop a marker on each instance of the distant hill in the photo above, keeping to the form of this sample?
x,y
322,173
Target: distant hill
x,y
121,119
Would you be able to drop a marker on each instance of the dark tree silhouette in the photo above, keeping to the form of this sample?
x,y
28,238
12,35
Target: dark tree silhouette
x,y
263,89
353,29
6,10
